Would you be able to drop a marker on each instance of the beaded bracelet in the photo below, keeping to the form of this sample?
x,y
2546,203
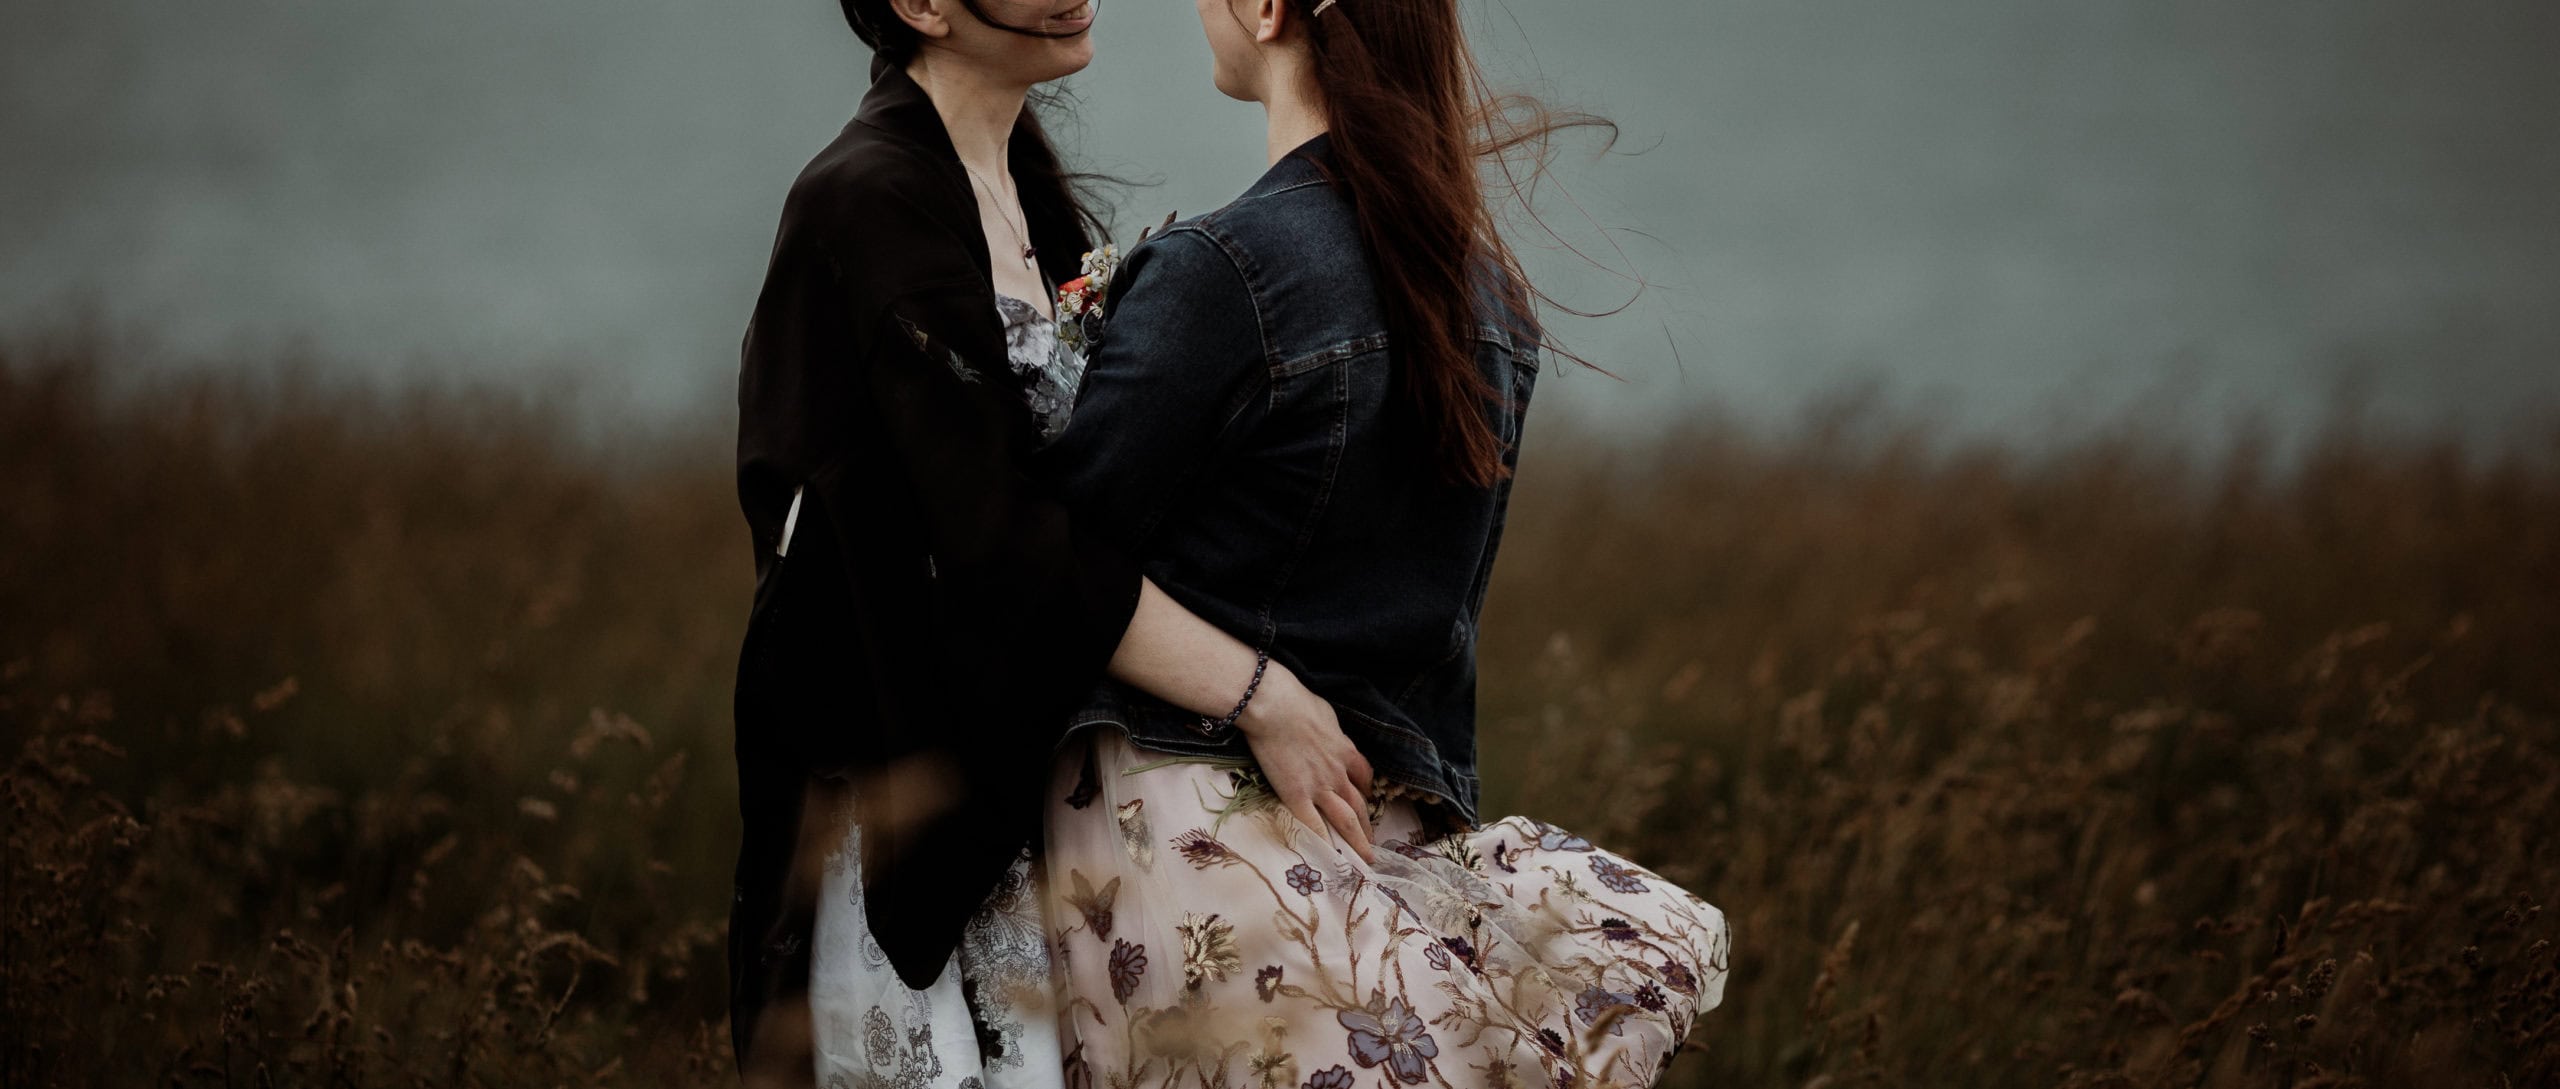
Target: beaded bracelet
x,y
1214,727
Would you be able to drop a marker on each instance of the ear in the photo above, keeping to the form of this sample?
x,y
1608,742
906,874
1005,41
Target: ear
x,y
929,17
1272,19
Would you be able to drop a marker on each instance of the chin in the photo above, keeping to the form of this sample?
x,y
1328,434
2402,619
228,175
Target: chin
x,y
1065,58
1230,86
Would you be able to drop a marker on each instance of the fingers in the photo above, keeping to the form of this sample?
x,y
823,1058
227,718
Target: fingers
x,y
1303,807
1349,821
1359,803
1323,781
1357,766
1352,779
1329,726
1355,791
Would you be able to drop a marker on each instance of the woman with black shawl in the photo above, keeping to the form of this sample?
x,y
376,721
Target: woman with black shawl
x,y
926,612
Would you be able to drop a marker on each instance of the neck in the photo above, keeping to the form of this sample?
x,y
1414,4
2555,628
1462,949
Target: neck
x,y
977,111
1292,108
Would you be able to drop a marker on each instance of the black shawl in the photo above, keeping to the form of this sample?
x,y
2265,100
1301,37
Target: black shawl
x,y
937,608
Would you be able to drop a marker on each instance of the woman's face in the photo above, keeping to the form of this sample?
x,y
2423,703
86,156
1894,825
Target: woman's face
x,y
1235,60
1022,58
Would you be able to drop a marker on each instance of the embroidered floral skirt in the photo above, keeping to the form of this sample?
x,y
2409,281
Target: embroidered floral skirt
x,y
1197,934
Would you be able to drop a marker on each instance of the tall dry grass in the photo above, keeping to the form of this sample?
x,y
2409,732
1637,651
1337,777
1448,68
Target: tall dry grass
x,y
369,739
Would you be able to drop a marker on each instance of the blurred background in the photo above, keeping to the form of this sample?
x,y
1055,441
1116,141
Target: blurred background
x,y
2069,565
2023,216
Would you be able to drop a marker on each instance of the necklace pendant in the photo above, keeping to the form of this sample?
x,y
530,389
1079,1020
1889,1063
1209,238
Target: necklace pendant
x,y
1028,254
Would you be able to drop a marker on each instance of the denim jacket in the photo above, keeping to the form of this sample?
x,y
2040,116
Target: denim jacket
x,y
1236,423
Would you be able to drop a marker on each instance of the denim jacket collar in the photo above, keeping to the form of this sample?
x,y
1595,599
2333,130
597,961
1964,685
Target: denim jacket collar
x,y
1304,163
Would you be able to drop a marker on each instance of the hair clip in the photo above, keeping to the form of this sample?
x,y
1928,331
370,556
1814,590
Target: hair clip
x,y
1320,8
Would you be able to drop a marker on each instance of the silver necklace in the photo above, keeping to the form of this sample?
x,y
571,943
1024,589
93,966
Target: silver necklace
x,y
997,199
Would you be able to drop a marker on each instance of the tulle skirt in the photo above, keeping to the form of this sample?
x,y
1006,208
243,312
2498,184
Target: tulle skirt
x,y
1178,927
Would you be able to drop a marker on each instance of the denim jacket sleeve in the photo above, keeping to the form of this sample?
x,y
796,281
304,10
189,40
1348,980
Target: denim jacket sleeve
x,y
1177,378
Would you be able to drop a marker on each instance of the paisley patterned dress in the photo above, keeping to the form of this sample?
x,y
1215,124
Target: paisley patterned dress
x,y
1177,928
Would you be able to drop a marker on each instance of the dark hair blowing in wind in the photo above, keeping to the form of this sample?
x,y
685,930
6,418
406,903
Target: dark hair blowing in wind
x,y
1414,128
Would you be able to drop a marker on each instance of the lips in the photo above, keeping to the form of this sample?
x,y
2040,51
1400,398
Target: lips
x,y
1073,17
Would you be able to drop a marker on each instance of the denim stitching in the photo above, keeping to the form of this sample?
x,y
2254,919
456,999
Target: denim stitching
x,y
1261,338
1246,270
1247,267
1355,346
1324,487
1466,632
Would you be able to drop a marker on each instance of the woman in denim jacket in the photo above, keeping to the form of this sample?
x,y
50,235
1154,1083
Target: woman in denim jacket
x,y
1302,411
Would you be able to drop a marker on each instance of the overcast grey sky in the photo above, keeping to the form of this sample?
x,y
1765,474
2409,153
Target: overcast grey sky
x,y
2023,212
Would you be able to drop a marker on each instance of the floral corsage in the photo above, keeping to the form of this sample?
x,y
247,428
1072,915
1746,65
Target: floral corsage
x,y
1080,300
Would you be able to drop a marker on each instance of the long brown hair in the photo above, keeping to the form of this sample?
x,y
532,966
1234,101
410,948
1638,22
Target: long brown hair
x,y
1414,127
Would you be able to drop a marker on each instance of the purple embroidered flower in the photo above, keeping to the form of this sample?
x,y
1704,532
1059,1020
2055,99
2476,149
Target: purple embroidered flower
x,y
1650,996
1466,950
1305,879
1266,982
1679,978
1128,962
1564,1077
1596,1002
1392,1035
1437,955
1405,848
1203,850
1331,1077
1551,1040
1617,877
1617,930
1502,856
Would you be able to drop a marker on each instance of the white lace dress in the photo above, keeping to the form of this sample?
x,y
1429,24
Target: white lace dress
x,y
987,1023
984,1024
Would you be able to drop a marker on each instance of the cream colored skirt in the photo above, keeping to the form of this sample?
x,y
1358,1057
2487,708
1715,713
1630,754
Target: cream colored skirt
x,y
1180,928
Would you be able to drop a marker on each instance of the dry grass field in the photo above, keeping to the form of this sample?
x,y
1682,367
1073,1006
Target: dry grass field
x,y
364,739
